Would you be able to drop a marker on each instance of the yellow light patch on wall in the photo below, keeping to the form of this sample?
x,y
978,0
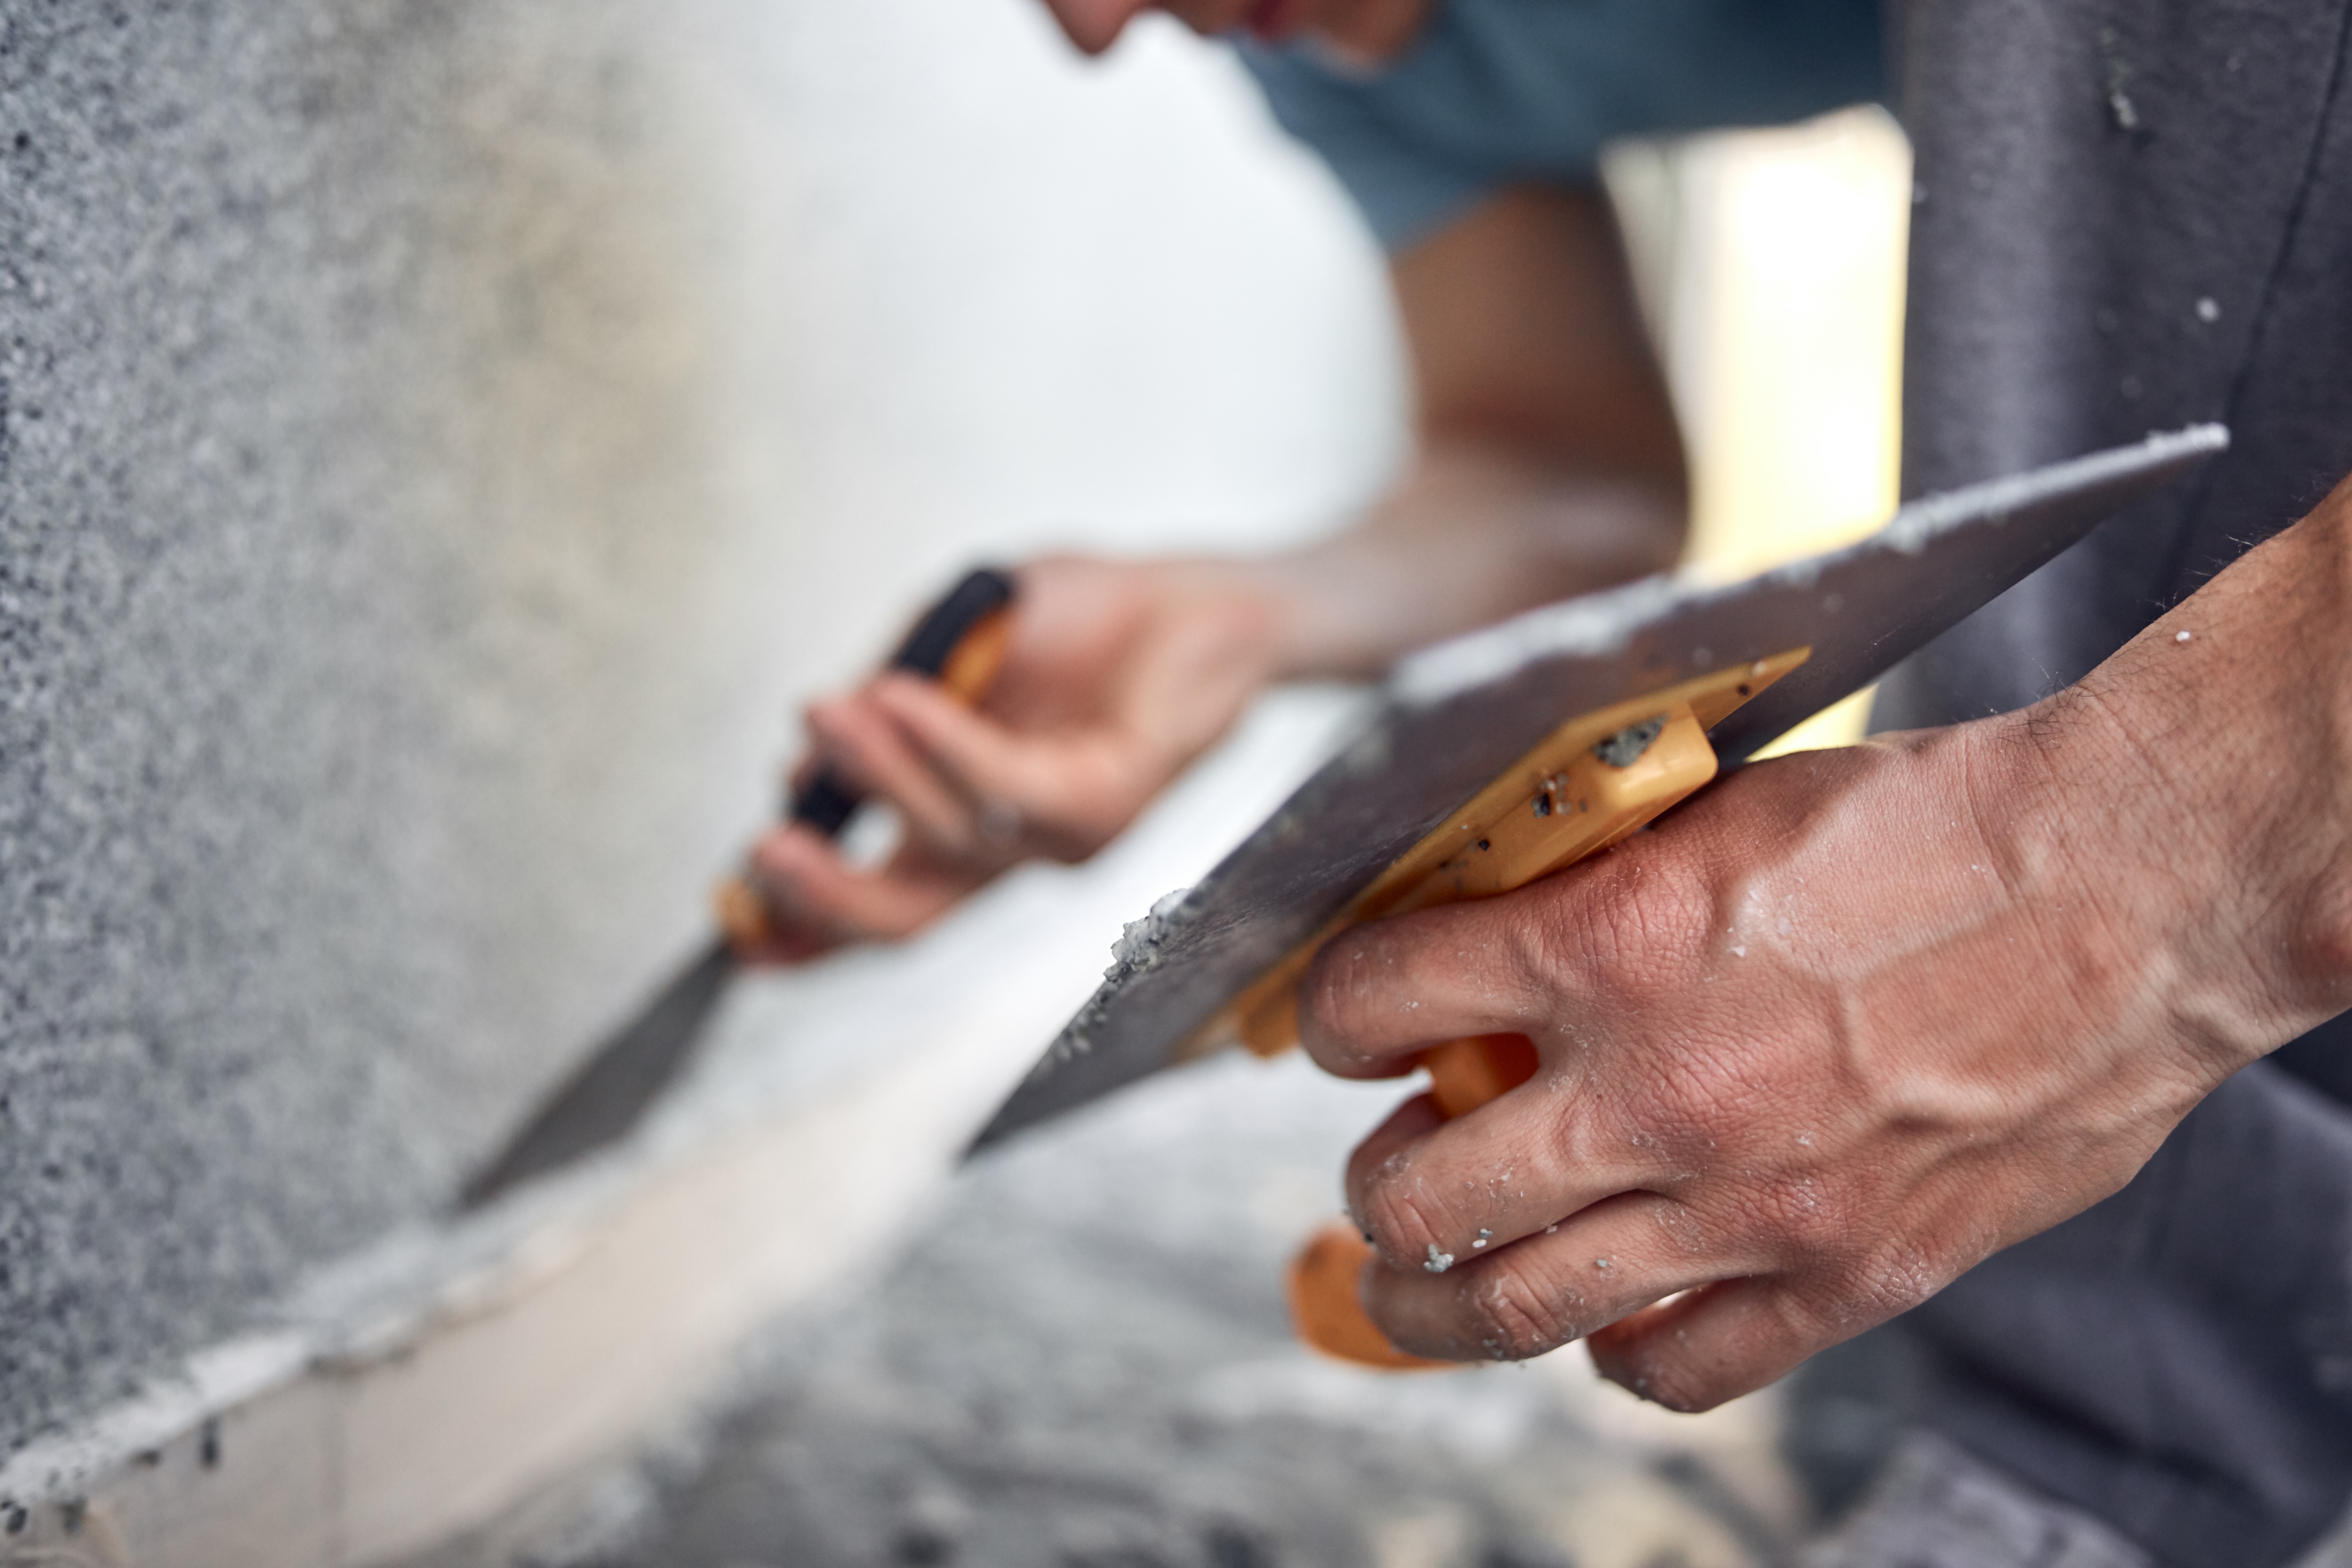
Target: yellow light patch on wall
x,y
1772,264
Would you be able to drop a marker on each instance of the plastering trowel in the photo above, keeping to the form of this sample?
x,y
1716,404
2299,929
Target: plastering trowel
x,y
1514,751
958,642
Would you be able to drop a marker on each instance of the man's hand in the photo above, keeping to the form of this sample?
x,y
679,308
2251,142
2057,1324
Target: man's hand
x,y
1116,677
1852,1020
1549,466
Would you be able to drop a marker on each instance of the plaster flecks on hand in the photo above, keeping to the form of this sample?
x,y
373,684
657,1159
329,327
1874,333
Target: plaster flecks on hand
x,y
1791,1084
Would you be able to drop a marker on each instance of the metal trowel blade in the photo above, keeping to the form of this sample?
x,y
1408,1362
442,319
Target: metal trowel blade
x,y
602,1101
1453,716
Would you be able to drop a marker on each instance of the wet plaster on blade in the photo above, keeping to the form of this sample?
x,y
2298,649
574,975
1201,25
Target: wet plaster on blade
x,y
1606,622
1135,953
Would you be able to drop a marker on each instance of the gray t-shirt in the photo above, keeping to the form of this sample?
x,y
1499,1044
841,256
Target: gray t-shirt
x,y
1496,92
2133,214
2130,214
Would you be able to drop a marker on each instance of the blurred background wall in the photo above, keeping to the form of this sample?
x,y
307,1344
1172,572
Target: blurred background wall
x,y
440,444
443,442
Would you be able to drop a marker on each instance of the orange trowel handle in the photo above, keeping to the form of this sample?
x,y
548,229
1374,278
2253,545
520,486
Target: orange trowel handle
x,y
960,642
1555,829
1466,1074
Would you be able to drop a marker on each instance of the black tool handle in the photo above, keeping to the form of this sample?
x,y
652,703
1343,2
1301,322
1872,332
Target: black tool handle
x,y
828,801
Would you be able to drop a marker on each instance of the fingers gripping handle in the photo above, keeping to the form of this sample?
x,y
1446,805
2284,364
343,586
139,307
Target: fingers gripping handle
x,y
960,643
1612,790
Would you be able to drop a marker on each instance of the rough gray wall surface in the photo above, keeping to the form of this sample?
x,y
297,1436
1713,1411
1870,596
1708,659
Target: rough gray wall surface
x,y
439,441
347,507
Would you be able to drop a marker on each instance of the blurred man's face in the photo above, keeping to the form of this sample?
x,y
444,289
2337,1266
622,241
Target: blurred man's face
x,y
1369,30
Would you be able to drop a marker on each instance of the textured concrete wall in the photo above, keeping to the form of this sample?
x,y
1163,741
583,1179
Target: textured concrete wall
x,y
436,443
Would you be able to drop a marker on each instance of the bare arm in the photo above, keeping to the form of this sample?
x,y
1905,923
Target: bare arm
x,y
1548,463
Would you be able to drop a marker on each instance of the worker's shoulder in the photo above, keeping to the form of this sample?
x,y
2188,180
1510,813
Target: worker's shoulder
x,y
1496,91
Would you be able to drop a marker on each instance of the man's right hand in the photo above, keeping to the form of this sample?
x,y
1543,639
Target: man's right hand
x,y
1116,675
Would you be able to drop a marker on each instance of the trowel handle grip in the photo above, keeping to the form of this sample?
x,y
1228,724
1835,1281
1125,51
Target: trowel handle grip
x,y
1323,1285
1464,1074
1673,760
960,642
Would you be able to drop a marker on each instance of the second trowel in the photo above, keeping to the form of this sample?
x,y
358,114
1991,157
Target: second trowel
x,y
958,642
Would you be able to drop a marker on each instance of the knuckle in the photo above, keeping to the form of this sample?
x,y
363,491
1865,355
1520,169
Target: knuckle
x,y
1390,1206
1513,1313
1678,1099
1825,1305
1891,1281
1808,1226
1337,998
1565,936
1626,931
1675,1382
775,862
1658,1368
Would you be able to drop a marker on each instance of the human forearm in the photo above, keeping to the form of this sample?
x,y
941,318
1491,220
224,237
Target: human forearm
x,y
2201,779
1548,460
1479,531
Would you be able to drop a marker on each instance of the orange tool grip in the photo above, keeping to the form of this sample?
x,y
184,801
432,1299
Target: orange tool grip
x,y
1466,1074
960,643
1587,787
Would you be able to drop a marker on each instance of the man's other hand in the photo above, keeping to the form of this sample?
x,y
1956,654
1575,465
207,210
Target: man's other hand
x,y
1116,677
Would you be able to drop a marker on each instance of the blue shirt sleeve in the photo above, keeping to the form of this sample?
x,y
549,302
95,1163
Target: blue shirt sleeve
x,y
1504,91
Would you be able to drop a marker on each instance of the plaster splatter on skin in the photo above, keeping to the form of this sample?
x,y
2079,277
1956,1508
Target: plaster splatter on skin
x,y
2180,636
1484,1238
1437,1262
